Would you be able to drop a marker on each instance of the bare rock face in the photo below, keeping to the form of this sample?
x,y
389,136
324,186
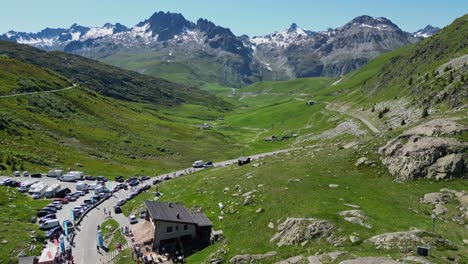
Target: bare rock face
x,y
356,217
294,231
427,151
249,258
409,239
370,260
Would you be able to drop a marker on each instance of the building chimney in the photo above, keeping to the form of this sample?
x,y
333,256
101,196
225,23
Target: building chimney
x,y
178,215
170,205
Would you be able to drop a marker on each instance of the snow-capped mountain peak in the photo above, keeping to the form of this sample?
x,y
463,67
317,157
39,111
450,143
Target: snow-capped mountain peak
x,y
292,35
428,31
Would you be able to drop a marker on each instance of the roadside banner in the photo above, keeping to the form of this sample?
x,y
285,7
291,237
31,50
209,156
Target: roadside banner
x,y
72,215
62,244
65,227
100,238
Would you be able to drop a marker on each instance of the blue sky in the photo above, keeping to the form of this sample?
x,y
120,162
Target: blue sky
x,y
251,17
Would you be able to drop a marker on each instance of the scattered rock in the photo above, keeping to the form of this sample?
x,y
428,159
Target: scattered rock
x,y
4,241
409,239
436,198
370,260
294,180
248,200
248,258
417,259
314,260
362,161
352,206
424,152
259,210
297,230
465,241
333,186
271,225
447,167
439,209
292,260
356,217
354,238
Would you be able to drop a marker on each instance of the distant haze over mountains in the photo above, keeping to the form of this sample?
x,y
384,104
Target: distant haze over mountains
x,y
168,44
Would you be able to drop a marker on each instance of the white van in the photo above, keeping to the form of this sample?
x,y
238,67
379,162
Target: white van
x,y
198,164
49,224
81,186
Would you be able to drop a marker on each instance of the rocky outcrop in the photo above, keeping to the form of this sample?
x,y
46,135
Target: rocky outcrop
x,y
370,260
249,258
427,151
356,217
409,239
294,231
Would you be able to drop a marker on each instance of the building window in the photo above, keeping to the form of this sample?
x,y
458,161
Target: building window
x,y
169,229
176,227
185,227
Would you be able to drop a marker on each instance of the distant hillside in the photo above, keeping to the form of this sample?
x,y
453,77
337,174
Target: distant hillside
x,y
18,77
168,45
109,80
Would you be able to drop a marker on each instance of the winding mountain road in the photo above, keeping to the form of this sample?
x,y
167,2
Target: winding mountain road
x,y
362,119
50,91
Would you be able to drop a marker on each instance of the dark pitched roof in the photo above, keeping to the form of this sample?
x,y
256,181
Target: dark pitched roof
x,y
169,212
201,219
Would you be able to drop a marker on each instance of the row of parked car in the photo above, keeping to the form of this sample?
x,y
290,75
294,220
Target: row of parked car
x,y
130,196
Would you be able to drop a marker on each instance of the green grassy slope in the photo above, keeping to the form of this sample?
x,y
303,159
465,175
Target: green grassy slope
x,y
16,209
109,80
18,77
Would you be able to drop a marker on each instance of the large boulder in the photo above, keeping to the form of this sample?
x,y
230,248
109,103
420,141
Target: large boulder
x,y
294,231
249,258
409,239
427,151
356,217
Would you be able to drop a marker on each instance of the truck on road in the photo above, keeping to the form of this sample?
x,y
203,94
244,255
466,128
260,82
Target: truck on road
x,y
52,190
72,176
198,164
39,191
55,173
24,187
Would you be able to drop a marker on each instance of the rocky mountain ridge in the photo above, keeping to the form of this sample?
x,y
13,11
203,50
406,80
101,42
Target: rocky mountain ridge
x,y
231,60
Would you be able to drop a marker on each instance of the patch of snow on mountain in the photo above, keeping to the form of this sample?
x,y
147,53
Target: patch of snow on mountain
x,y
75,35
98,32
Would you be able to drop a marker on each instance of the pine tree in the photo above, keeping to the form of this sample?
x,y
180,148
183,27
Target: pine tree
x,y
380,114
403,122
373,109
410,81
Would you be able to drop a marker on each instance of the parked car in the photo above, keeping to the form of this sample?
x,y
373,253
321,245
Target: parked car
x,y
55,232
51,208
208,164
119,179
49,224
36,175
71,198
16,174
57,204
133,219
80,193
25,174
90,178
121,202
145,187
144,178
131,179
44,212
62,193
12,183
47,217
142,214
5,182
102,178
156,181
134,183
117,209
